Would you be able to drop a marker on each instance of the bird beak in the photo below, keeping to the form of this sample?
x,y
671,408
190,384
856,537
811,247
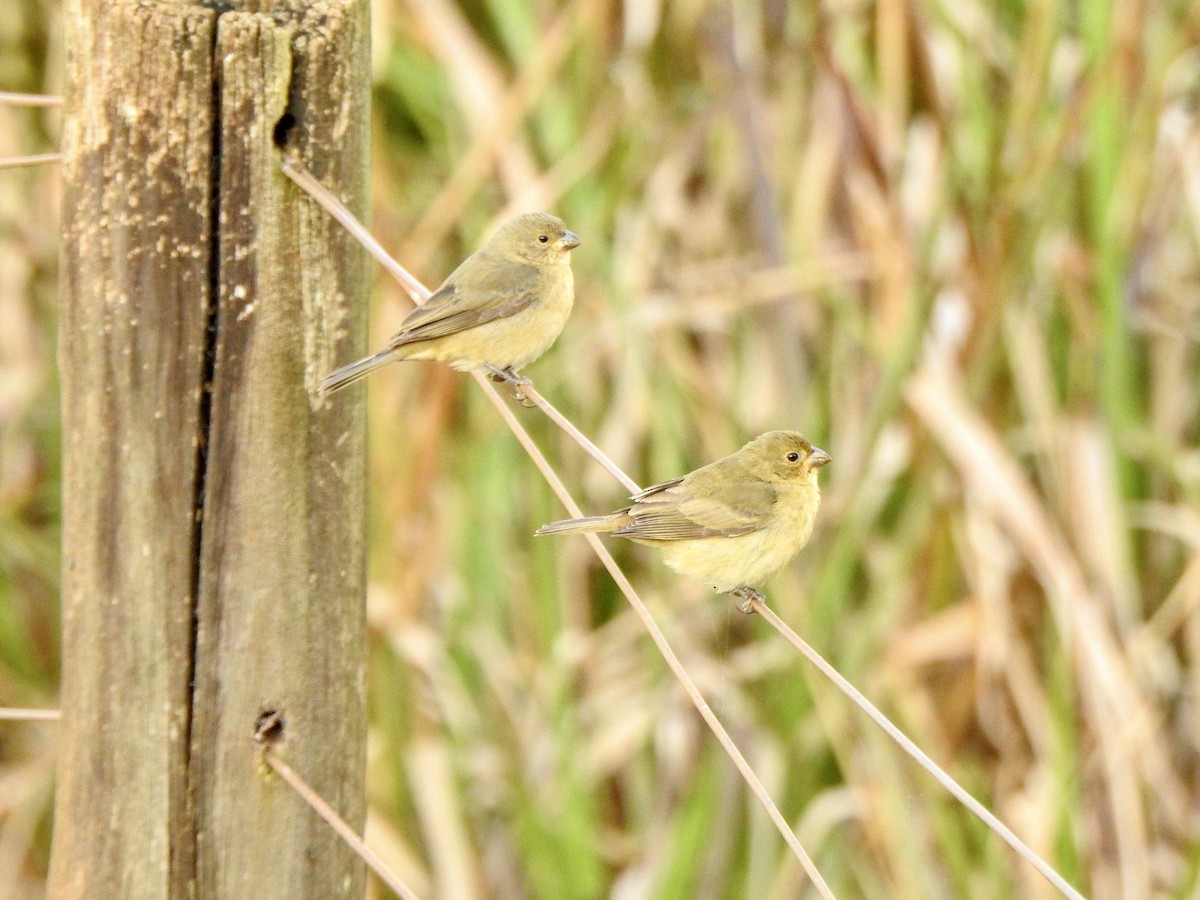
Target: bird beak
x,y
818,458
568,241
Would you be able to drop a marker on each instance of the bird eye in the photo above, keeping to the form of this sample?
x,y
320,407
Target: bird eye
x,y
543,238
793,456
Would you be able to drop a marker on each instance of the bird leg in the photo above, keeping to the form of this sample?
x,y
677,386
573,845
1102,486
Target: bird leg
x,y
508,376
747,595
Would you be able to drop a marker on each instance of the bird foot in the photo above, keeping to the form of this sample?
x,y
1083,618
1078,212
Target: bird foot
x,y
516,380
747,596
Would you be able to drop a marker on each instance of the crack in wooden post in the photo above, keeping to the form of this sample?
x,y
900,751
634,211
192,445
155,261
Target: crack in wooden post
x,y
213,506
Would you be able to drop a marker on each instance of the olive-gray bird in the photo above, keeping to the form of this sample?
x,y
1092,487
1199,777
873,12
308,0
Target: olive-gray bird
x,y
733,523
499,310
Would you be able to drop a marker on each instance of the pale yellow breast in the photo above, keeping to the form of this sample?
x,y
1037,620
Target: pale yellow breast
x,y
515,341
749,559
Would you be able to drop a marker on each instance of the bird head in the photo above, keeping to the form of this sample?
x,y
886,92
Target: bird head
x,y
537,238
784,456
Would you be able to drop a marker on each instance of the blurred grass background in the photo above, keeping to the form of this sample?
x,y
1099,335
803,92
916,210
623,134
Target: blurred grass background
x,y
957,244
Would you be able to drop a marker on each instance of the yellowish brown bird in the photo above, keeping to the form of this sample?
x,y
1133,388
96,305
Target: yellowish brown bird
x,y
499,310
733,523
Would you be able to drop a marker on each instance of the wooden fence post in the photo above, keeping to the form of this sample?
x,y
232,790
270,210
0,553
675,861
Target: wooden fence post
x,y
213,504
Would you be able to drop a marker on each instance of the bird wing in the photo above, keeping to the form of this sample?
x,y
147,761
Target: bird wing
x,y
676,511
469,298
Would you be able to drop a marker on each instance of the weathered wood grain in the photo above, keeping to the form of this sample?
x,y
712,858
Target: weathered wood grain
x,y
281,586
136,231
213,505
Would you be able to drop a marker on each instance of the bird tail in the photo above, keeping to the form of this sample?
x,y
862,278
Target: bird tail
x,y
593,524
351,373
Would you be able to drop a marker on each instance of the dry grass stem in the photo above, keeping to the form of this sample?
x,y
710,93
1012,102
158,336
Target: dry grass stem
x,y
15,99
960,793
295,170
35,159
30,715
580,438
337,823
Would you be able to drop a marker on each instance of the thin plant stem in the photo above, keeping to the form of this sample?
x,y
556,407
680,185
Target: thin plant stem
x,y
580,438
295,170
659,639
14,99
29,715
36,159
958,791
338,824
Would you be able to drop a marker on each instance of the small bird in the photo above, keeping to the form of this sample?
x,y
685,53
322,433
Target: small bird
x,y
499,310
733,523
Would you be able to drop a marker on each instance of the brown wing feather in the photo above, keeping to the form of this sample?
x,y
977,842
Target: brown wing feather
x,y
671,512
478,291
454,323
656,488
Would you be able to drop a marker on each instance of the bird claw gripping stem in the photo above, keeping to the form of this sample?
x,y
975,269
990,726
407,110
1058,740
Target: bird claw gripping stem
x,y
747,596
516,380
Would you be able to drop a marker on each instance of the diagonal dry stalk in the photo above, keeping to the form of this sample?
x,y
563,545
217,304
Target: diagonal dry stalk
x,y
581,439
294,170
906,744
337,823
